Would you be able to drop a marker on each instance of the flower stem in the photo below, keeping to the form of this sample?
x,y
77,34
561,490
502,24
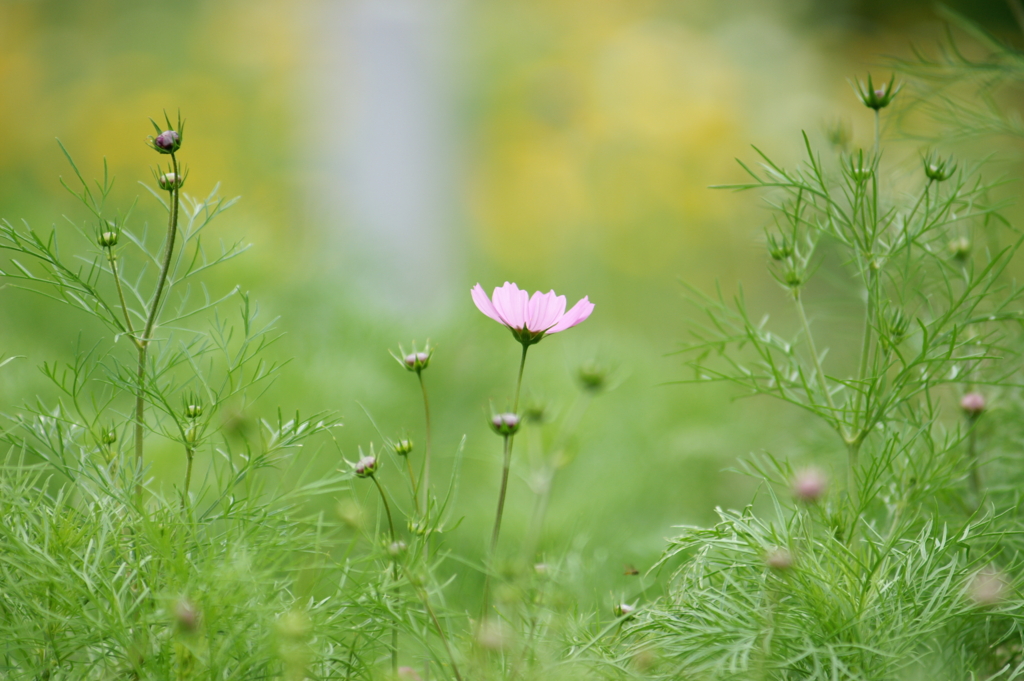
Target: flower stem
x,y
424,489
143,342
972,457
394,569
190,454
878,132
506,462
817,361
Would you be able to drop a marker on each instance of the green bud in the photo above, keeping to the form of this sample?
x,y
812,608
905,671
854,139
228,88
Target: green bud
x,y
779,247
960,248
107,239
938,169
403,447
877,97
505,424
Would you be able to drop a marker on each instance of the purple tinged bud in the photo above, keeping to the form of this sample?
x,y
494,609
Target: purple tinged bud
x,y
168,141
973,404
366,466
810,484
417,360
186,615
505,424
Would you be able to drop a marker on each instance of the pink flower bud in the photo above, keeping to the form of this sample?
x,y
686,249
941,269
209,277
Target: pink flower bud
x,y
988,586
366,466
779,559
186,615
417,360
408,674
505,424
973,403
810,484
168,141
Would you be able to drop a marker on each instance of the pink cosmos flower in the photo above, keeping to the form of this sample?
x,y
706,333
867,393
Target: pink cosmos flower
x,y
530,317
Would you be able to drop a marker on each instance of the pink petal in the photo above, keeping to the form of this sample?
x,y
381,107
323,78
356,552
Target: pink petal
x,y
545,310
484,304
511,304
580,311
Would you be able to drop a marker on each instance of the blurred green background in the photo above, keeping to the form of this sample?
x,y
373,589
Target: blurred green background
x,y
392,153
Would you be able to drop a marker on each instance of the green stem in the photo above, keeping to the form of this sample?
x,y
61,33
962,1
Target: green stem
x,y
878,134
190,454
425,487
412,477
817,361
394,569
506,462
972,457
425,597
865,350
120,294
143,342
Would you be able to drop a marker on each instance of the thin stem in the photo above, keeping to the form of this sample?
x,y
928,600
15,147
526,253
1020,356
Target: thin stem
x,y
425,597
190,454
817,362
412,476
394,568
506,462
120,294
972,457
143,342
425,487
878,127
865,350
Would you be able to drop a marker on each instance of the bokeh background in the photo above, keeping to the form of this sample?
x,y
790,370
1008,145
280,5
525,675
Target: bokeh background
x,y
389,154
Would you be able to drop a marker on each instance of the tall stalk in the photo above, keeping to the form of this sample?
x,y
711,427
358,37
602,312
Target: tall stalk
x,y
143,341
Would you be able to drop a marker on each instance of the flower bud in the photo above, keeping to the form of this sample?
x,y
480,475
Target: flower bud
x,y
779,247
408,674
193,411
938,169
107,239
779,559
877,97
187,616
396,548
505,424
366,466
108,437
592,377
973,404
988,586
624,610
167,142
810,484
170,181
960,248
403,447
417,361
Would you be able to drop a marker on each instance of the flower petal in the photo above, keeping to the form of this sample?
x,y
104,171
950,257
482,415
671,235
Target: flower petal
x,y
511,304
484,304
580,311
545,310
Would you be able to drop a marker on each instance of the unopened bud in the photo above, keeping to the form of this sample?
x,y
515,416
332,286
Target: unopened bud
x,y
108,437
960,248
810,484
624,610
592,377
938,169
167,142
108,239
396,548
403,447
779,559
877,97
417,361
408,674
193,411
169,181
505,424
366,466
988,586
186,615
973,404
